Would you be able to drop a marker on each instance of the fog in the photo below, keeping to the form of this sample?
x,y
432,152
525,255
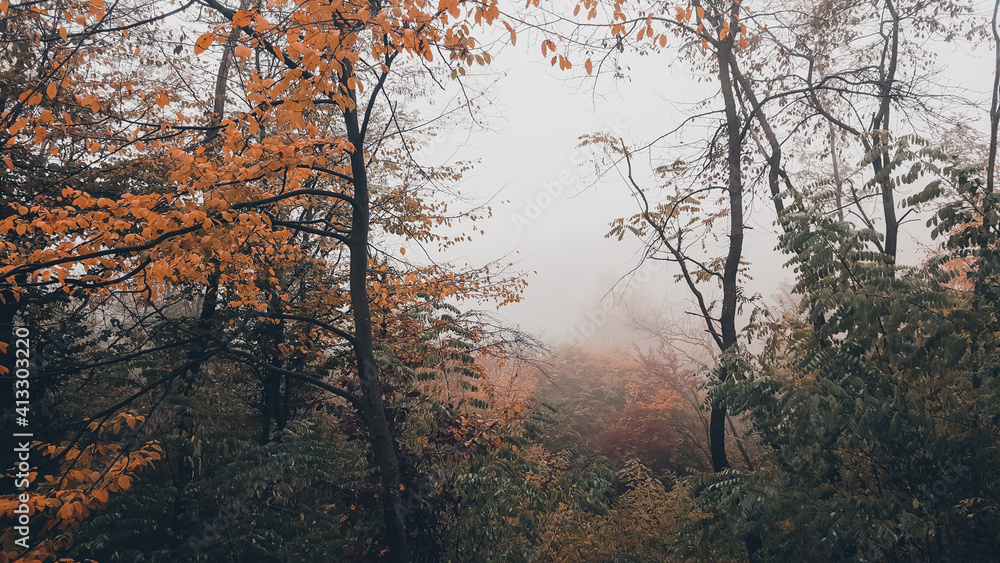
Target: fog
x,y
552,199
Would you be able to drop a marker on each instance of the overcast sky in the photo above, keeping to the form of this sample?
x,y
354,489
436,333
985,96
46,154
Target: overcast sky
x,y
555,216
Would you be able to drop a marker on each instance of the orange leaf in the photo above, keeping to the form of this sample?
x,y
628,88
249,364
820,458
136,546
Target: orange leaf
x,y
402,251
513,35
63,33
65,511
101,495
203,43
589,66
242,51
242,18
124,482
13,129
51,90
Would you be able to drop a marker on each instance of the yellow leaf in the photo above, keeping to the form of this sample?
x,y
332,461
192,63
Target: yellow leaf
x,y
203,43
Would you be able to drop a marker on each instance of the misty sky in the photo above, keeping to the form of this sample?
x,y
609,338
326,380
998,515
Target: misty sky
x,y
528,151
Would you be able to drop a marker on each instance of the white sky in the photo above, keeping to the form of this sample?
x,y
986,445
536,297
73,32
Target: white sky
x,y
542,112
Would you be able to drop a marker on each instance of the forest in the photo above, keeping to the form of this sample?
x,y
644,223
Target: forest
x,y
244,318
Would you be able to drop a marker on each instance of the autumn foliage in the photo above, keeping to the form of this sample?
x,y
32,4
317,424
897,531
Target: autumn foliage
x,y
79,482
218,217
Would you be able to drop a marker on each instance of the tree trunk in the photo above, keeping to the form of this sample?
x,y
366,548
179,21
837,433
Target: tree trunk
x,y
995,103
730,273
730,287
838,182
880,130
380,437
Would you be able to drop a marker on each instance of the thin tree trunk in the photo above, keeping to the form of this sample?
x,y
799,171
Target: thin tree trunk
x,y
381,439
837,180
730,273
739,444
880,130
730,287
995,104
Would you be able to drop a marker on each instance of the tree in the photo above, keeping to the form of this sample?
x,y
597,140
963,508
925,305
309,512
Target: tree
x,y
236,219
803,63
877,416
82,483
